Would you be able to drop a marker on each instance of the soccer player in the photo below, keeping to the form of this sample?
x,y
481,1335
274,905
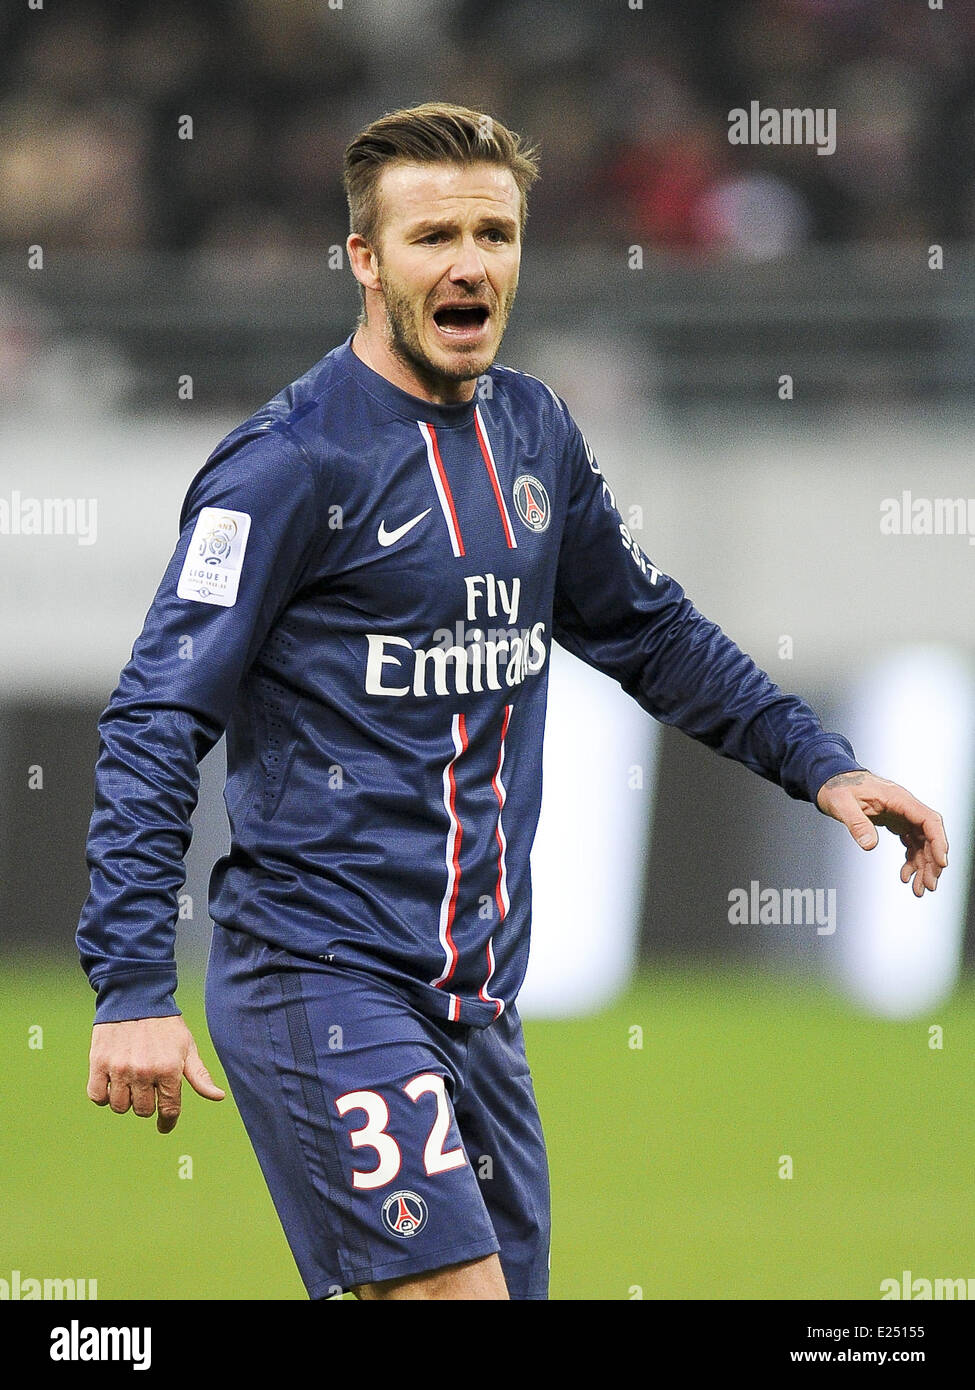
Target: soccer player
x,y
369,575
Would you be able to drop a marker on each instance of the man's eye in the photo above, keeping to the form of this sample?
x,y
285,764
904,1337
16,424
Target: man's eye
x,y
497,234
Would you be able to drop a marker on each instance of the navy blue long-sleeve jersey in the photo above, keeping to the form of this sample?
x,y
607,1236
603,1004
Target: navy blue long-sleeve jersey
x,y
363,595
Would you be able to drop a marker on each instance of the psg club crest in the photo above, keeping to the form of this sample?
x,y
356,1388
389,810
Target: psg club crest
x,y
531,502
405,1214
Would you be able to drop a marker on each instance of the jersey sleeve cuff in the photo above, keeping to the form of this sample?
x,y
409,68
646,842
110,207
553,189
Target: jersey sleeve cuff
x,y
827,761
136,994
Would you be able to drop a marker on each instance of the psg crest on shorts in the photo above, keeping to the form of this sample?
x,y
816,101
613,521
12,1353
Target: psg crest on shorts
x,y
405,1214
531,502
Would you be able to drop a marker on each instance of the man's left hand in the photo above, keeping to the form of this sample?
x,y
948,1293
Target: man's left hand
x,y
861,800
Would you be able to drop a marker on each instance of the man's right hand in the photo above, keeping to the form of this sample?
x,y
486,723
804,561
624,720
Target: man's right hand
x,y
132,1064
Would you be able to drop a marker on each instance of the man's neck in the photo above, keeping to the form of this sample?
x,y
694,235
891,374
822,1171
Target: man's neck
x,y
370,348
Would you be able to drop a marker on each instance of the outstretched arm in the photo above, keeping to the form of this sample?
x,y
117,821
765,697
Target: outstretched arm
x,y
618,612
861,800
615,610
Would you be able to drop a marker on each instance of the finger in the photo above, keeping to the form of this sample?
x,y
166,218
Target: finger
x,y
922,860
913,852
927,834
933,829
119,1096
846,808
97,1088
168,1089
901,812
929,866
920,870
199,1078
924,875
862,829
932,872
143,1099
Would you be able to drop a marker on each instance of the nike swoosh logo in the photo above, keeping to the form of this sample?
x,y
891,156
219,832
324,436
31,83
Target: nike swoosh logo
x,y
391,537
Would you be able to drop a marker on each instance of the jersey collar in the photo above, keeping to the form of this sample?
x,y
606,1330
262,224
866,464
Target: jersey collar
x,y
401,402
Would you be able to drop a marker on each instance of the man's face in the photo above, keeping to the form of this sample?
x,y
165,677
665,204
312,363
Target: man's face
x,y
448,258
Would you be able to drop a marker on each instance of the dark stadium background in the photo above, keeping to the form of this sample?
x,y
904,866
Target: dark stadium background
x,y
209,258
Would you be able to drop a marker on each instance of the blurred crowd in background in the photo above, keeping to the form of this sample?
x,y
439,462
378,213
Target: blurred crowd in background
x,y
629,107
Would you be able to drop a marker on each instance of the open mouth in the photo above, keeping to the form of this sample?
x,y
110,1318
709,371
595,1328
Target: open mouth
x,y
461,320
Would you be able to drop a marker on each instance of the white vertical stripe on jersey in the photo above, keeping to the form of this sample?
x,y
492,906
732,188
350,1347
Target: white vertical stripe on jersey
x,y
482,992
439,483
502,795
451,859
504,903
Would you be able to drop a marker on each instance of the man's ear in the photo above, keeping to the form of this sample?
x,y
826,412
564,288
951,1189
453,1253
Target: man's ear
x,y
363,261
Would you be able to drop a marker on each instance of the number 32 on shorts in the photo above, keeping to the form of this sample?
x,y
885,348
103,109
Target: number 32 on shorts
x,y
373,1134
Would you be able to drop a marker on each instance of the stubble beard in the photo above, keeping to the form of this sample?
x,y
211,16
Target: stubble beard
x,y
404,343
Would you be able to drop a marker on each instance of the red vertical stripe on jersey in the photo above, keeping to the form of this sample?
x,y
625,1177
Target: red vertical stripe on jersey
x,y
488,457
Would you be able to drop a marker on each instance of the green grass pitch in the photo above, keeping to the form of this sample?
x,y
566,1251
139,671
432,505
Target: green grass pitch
x,y
665,1158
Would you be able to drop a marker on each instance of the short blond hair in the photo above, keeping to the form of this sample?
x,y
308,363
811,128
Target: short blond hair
x,y
437,132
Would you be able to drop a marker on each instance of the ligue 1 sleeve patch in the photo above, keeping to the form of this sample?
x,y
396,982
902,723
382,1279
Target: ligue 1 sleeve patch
x,y
211,570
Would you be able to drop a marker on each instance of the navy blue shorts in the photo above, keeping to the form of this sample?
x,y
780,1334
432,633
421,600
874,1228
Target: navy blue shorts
x,y
391,1143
